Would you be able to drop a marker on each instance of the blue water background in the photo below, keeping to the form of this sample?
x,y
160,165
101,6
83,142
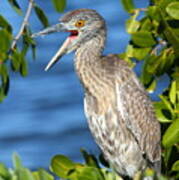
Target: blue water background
x,y
43,113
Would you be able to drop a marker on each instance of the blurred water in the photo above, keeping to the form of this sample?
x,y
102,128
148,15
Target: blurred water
x,y
43,113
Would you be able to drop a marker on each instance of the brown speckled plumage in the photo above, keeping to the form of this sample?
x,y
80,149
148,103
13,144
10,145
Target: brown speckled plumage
x,y
119,113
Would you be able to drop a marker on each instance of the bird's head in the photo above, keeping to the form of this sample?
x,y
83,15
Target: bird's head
x,y
82,24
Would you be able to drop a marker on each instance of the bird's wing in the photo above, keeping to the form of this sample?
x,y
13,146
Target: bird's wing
x,y
138,114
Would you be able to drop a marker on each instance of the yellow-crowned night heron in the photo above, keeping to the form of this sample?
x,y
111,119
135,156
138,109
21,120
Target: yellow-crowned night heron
x,y
119,113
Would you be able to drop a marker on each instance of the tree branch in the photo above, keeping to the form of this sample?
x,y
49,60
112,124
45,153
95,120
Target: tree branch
x,y
24,24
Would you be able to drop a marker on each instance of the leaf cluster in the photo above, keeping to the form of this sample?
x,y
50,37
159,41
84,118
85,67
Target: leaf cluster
x,y
64,168
154,33
13,50
19,172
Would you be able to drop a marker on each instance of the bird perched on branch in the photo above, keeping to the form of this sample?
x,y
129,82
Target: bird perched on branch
x,y
119,113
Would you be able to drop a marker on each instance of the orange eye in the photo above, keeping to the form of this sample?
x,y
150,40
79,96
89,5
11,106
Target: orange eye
x,y
80,23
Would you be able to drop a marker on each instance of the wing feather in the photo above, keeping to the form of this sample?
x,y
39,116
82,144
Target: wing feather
x,y
138,114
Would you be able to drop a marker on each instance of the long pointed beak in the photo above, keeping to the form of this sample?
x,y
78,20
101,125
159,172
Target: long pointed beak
x,y
55,28
65,48
62,50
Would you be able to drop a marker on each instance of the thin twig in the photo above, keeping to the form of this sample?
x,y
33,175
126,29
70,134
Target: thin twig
x,y
24,24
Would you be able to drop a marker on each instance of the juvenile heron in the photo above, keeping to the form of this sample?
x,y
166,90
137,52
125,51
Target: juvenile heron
x,y
119,113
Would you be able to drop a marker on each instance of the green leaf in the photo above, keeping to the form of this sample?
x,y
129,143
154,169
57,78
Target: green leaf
x,y
146,76
152,12
15,6
175,166
5,40
146,24
4,24
41,174
28,41
166,102
2,94
3,73
25,174
41,15
132,25
4,171
90,173
143,39
163,62
89,159
171,135
169,33
19,63
173,10
16,60
4,79
59,5
61,165
160,108
152,86
16,161
23,67
138,53
172,93
128,5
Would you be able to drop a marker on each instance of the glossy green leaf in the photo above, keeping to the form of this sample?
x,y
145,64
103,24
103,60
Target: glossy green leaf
x,y
5,40
25,174
89,159
41,174
173,10
138,53
4,173
141,53
61,165
90,173
164,62
4,73
169,33
132,25
28,41
146,76
2,94
172,93
152,12
146,24
160,108
151,88
166,102
143,39
16,60
15,6
41,15
23,67
171,135
4,80
59,5
175,166
128,5
4,24
17,164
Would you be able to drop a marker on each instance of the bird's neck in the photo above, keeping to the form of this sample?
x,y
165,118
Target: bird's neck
x,y
88,55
